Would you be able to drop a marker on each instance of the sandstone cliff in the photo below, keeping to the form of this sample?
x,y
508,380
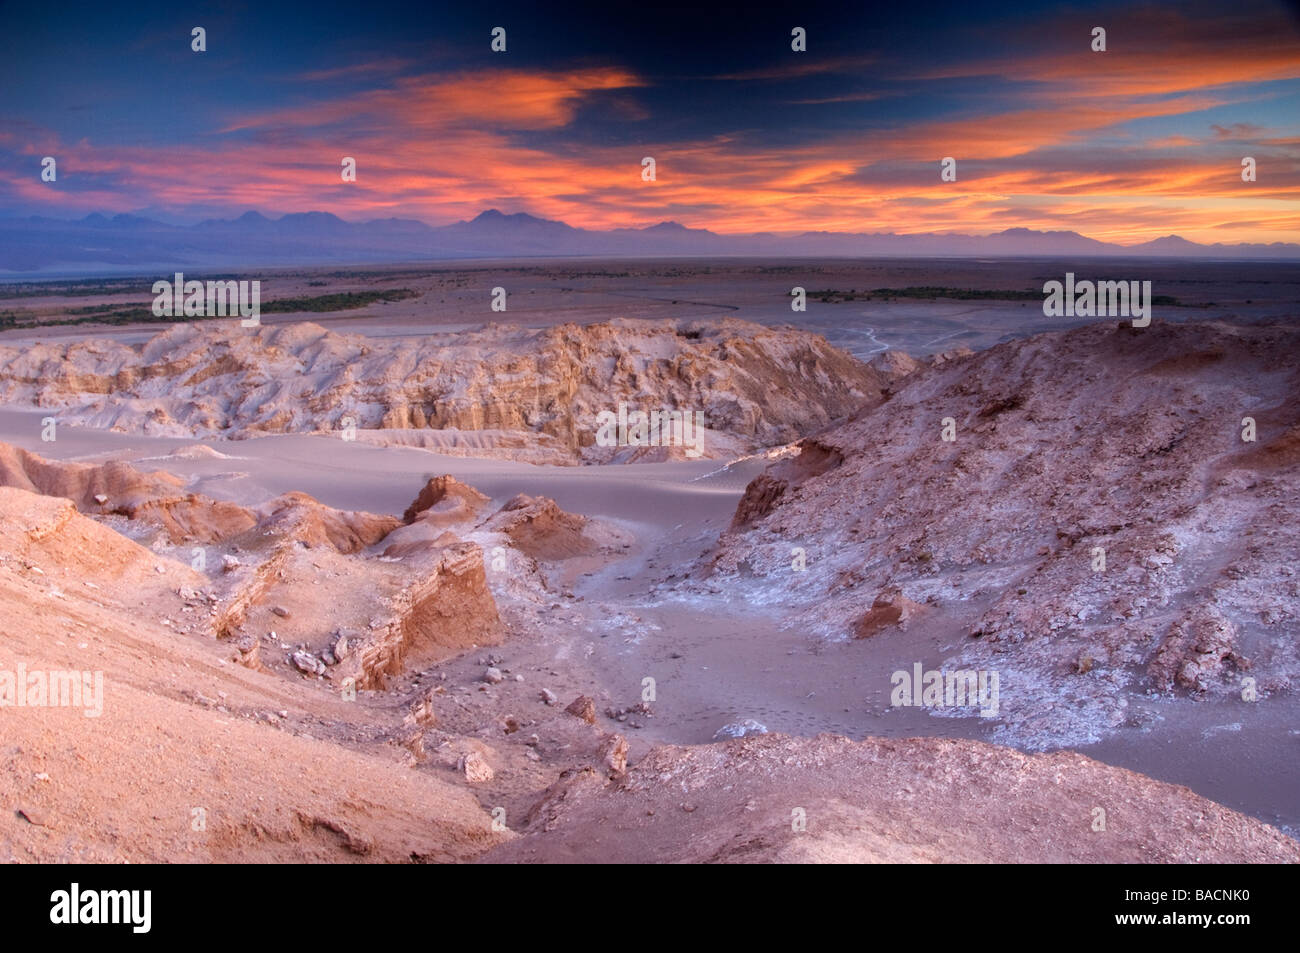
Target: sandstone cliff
x,y
529,393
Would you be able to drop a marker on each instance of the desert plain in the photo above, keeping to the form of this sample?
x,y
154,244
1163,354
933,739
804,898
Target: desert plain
x,y
363,586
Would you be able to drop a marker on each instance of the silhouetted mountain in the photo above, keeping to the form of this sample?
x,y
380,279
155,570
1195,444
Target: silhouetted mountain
x,y
492,234
311,223
98,243
1170,245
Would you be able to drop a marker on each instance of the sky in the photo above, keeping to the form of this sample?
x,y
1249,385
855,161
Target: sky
x,y
748,135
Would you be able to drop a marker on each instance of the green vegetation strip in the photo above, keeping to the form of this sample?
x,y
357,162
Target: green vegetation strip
x,y
342,301
115,314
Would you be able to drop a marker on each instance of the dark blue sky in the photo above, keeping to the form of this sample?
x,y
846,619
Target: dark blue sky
x,y
1144,138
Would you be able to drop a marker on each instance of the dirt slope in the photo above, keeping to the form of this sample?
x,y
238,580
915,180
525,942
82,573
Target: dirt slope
x,y
881,801
1097,526
180,728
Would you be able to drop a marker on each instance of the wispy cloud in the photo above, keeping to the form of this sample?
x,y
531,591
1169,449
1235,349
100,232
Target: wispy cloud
x,y
1124,145
386,66
515,99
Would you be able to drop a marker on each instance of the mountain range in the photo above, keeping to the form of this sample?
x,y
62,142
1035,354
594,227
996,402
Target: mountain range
x,y
98,243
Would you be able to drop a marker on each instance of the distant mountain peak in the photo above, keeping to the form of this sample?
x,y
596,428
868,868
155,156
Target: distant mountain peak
x,y
1021,232
311,217
319,237
496,217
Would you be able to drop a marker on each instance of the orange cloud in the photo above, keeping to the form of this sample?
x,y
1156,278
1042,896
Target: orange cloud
x,y
445,147
509,99
1149,52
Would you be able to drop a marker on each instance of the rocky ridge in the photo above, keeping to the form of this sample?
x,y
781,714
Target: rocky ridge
x,y
501,390
1097,527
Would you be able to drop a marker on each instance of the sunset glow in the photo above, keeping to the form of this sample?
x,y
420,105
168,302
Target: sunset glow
x,y
1140,141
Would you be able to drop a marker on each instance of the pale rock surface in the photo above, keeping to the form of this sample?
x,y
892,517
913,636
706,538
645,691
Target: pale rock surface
x,y
1105,439
529,393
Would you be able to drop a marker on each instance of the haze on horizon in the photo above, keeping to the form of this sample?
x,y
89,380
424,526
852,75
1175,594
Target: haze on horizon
x,y
1124,146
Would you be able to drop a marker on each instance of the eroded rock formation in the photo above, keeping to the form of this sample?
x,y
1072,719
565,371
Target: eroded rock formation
x,y
754,386
1098,521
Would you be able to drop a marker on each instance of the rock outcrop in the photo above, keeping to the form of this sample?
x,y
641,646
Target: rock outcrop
x,y
156,498
166,754
540,529
1097,524
445,501
46,539
448,609
754,386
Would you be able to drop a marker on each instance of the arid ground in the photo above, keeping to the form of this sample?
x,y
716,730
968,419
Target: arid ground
x,y
362,585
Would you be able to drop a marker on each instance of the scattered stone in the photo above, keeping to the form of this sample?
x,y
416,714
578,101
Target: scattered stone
x,y
229,564
890,608
613,754
620,714
250,651
33,817
493,676
739,729
281,611
475,768
307,663
584,707
548,696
